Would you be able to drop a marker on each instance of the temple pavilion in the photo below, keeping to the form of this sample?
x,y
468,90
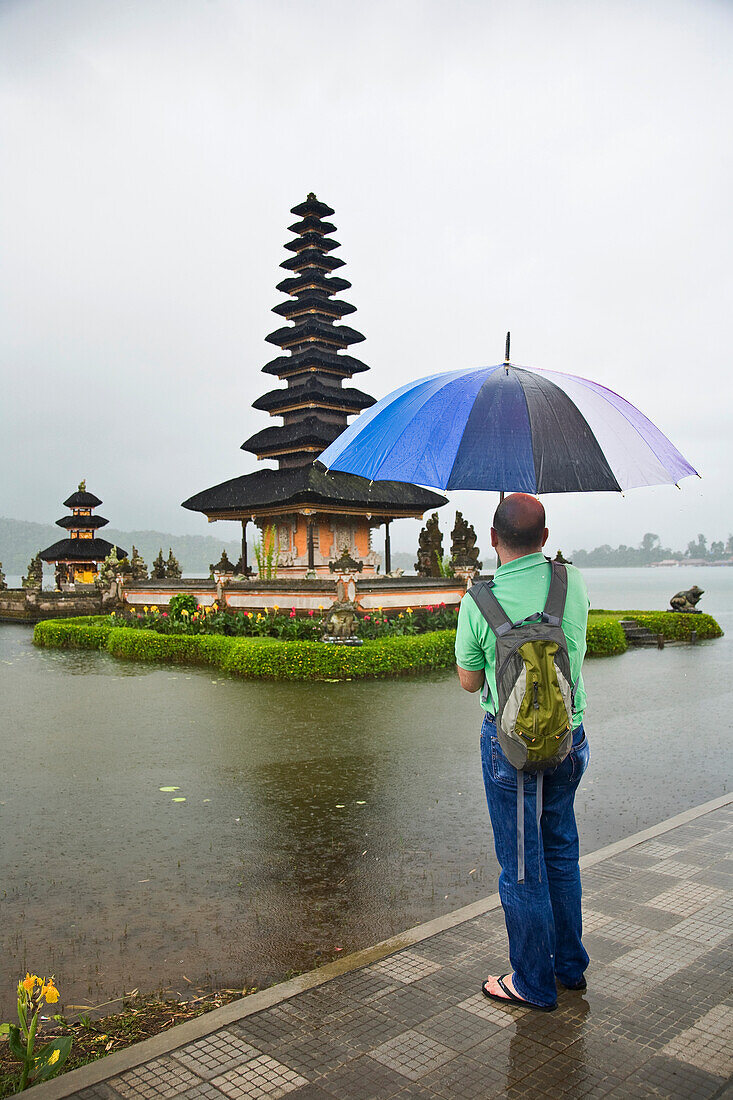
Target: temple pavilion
x,y
77,557
314,515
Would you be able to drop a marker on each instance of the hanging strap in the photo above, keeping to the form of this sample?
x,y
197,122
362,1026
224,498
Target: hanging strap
x,y
555,602
538,810
490,607
520,826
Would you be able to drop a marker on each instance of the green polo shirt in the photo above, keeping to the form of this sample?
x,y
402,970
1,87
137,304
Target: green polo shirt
x,y
521,588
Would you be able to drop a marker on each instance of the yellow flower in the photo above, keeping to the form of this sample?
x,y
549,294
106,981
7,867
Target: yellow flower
x,y
409,611
54,1057
400,616
154,608
145,608
275,607
184,613
50,992
30,981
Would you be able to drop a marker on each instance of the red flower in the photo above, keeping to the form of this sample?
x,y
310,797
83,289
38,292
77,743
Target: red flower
x,y
292,613
311,611
429,607
367,618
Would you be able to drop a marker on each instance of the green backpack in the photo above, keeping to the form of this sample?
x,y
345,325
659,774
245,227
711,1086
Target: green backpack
x,y
534,709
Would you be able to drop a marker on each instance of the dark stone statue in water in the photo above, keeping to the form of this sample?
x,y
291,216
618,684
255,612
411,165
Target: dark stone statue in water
x,y
463,550
687,600
559,556
430,549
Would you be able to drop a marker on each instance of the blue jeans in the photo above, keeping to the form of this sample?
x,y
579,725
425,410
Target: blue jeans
x,y
543,917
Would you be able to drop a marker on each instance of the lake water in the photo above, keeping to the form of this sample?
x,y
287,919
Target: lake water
x,y
317,817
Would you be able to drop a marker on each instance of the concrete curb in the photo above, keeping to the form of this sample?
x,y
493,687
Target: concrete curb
x,y
114,1064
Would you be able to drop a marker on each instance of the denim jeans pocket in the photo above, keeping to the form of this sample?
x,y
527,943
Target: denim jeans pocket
x,y
580,756
502,772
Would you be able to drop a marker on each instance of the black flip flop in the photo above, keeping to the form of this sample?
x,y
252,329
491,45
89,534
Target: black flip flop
x,y
511,998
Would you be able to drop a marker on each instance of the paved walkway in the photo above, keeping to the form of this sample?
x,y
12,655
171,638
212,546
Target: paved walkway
x,y
656,1020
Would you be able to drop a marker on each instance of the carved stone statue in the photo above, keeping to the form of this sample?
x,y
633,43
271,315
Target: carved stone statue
x,y
559,556
345,563
3,582
687,599
463,549
430,549
341,622
34,578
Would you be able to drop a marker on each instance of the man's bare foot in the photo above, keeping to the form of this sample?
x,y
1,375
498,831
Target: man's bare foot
x,y
493,987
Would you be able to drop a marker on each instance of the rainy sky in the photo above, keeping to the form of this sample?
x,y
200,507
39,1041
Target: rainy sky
x,y
560,169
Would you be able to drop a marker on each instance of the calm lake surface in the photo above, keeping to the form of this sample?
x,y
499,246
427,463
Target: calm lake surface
x,y
317,816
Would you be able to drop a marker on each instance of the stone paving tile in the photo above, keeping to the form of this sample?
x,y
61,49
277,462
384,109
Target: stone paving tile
x,y
410,1006
204,1091
686,898
669,1079
262,1077
102,1091
659,849
405,967
312,1055
162,1077
215,1053
412,1054
490,1011
707,1044
458,1029
364,1078
660,956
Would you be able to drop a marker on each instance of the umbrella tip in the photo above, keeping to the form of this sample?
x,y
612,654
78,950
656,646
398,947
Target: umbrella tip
x,y
506,353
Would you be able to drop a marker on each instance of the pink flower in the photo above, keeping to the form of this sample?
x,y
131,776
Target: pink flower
x,y
311,611
164,614
429,607
292,613
367,618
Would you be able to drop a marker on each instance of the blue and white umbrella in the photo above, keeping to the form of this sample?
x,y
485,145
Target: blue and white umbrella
x,y
509,428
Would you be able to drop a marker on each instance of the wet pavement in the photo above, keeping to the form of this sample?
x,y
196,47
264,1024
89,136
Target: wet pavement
x,y
408,1019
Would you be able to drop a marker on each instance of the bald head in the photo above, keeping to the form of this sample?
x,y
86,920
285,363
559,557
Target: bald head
x,y
519,525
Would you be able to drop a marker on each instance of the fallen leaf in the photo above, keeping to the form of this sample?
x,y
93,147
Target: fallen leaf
x,y
359,803
178,800
167,790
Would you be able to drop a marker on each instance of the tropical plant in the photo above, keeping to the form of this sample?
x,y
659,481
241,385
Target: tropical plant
x,y
182,606
267,553
39,1065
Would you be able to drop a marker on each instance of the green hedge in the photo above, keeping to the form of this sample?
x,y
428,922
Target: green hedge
x,y
270,659
90,632
676,625
604,638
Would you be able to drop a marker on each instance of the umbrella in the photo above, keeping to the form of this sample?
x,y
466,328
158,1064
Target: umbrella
x,y
508,428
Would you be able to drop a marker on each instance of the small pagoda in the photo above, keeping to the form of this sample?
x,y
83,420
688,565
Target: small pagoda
x,y
313,516
78,557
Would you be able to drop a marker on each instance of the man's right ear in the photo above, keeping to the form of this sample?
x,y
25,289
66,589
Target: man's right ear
x,y
494,538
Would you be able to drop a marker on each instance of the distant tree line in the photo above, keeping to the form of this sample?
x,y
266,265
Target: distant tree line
x,y
650,550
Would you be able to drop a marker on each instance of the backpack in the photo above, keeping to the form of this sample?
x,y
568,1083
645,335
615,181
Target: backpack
x,y
534,708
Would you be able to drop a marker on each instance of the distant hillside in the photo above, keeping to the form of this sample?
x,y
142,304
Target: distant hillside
x,y
20,540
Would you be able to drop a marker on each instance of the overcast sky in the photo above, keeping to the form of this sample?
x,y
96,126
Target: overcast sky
x,y
560,169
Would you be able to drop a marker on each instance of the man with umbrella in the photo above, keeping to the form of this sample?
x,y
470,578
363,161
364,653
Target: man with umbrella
x,y
535,431
542,912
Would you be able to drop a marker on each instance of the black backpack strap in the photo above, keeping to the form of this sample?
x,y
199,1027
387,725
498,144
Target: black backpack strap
x,y
490,608
555,603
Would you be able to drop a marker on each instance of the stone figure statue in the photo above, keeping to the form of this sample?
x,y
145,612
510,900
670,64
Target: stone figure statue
x,y
34,577
463,549
3,582
430,549
341,622
559,556
687,599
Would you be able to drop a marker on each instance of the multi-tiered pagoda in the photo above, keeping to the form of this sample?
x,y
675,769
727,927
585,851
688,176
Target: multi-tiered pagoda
x,y
77,558
314,515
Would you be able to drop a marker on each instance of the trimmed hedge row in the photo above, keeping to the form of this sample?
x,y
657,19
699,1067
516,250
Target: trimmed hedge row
x,y
678,626
259,658
271,659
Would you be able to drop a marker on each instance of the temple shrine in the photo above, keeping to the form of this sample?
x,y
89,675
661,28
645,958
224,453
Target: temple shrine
x,y
314,516
77,558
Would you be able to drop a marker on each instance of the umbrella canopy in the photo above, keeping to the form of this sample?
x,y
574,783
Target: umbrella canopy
x,y
509,428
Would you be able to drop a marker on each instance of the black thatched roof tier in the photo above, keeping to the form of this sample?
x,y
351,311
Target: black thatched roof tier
x,y
314,391
309,432
82,523
309,486
311,257
312,224
81,550
312,206
314,359
314,300
312,240
312,329
82,499
312,279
